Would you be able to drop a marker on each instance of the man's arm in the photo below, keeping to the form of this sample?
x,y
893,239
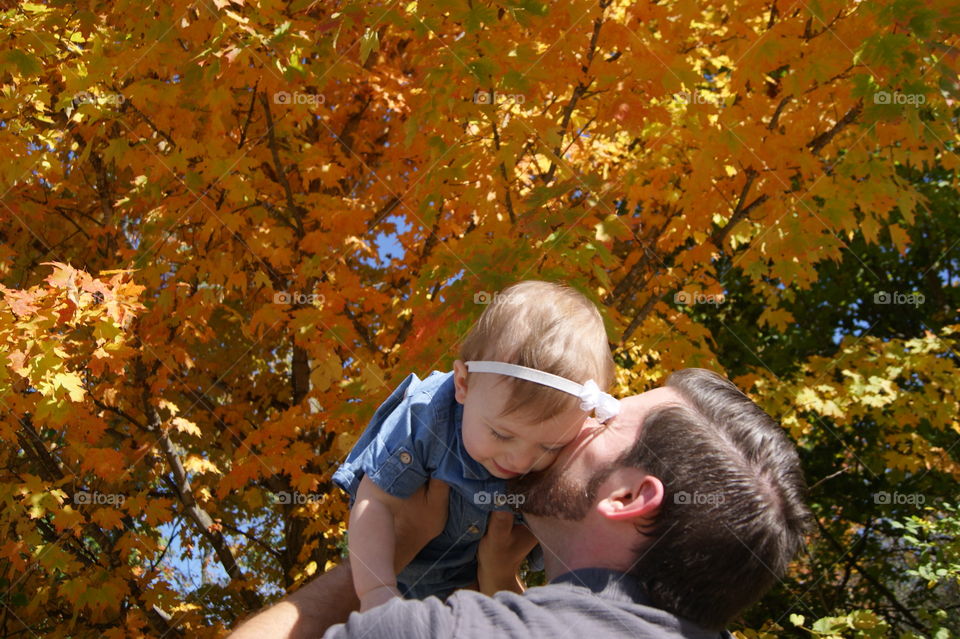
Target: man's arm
x,y
329,599
325,601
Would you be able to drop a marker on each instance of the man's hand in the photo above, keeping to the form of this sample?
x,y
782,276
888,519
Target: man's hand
x,y
501,552
306,613
423,517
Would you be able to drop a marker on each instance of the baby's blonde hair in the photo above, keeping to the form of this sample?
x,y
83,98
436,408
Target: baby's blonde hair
x,y
550,327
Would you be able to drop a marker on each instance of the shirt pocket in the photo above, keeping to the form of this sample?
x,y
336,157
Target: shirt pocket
x,y
399,473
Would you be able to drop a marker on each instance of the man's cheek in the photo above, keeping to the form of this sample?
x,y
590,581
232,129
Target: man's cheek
x,y
544,462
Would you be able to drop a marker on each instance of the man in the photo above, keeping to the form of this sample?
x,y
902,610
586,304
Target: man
x,y
667,522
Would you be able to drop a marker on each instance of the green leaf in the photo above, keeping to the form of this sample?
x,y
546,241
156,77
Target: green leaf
x,y
26,63
369,43
280,31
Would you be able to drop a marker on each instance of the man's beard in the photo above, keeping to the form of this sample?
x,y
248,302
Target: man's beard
x,y
550,493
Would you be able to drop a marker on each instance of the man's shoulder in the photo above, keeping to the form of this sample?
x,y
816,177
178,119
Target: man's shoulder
x,y
544,611
597,610
400,619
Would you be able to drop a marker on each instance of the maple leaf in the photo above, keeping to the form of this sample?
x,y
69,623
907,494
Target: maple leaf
x,y
70,382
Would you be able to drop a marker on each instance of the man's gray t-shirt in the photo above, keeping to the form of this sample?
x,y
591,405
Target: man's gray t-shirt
x,y
590,603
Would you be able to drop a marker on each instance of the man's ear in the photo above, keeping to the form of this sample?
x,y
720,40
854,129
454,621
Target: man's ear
x,y
460,381
631,494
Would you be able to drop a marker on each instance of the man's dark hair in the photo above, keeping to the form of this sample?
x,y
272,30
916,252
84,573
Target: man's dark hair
x,y
734,512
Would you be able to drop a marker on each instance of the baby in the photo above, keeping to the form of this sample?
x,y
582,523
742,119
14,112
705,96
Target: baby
x,y
531,369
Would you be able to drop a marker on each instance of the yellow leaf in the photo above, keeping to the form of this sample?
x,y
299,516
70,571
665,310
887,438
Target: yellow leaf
x,y
900,238
108,517
185,426
778,318
197,464
72,383
327,370
170,406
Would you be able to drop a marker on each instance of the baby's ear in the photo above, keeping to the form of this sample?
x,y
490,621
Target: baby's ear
x,y
460,381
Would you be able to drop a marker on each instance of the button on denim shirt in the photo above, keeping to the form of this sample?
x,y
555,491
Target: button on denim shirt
x,y
413,436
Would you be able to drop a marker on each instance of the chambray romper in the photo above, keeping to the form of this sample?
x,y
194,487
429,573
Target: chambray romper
x,y
413,436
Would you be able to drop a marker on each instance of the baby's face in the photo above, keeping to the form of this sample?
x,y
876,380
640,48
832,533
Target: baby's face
x,y
508,446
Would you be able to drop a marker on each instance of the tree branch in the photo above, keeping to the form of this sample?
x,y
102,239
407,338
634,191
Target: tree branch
x,y
503,173
741,212
197,514
204,522
243,130
292,208
578,92
886,592
52,472
816,144
777,112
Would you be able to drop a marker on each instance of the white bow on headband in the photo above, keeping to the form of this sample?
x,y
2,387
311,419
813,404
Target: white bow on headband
x,y
591,397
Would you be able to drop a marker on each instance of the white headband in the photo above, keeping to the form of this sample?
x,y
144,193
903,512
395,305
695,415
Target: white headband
x,y
591,397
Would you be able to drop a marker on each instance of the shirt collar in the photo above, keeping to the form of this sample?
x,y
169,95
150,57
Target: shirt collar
x,y
472,469
619,586
610,584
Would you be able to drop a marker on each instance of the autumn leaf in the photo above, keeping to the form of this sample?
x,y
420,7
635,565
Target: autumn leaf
x,y
197,464
70,382
186,426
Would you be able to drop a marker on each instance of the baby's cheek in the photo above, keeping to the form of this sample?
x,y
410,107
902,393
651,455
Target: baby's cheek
x,y
475,447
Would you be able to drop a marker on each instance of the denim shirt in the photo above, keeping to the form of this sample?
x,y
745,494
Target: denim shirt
x,y
413,436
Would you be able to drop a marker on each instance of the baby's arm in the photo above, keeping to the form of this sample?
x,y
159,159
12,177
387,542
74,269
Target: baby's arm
x,y
372,539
